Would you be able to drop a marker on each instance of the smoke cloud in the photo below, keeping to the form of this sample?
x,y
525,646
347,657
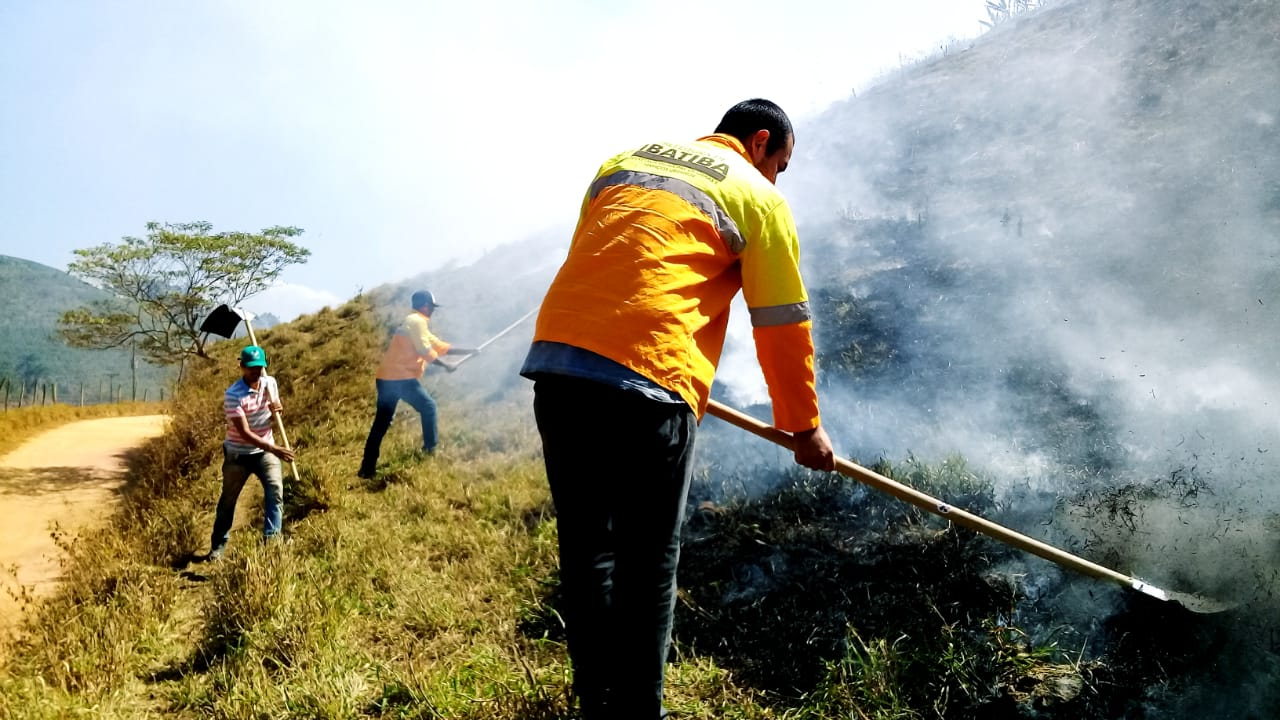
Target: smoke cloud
x,y
1055,254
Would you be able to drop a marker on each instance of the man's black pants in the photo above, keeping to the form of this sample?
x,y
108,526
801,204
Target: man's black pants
x,y
619,467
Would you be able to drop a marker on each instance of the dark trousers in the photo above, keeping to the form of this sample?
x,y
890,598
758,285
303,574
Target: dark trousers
x,y
619,467
390,393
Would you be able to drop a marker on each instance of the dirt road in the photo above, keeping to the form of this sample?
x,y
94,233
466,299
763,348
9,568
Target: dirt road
x,y
70,475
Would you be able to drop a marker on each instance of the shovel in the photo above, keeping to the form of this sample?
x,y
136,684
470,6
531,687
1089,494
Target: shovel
x,y
1191,602
223,322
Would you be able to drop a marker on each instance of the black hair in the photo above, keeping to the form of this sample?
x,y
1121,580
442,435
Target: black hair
x,y
744,119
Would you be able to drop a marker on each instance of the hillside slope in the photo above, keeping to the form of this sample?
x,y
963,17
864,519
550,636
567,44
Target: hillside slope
x,y
34,296
480,300
431,591
1054,253
1049,254
1089,196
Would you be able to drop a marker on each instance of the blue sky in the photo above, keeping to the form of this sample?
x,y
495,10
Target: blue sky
x,y
398,135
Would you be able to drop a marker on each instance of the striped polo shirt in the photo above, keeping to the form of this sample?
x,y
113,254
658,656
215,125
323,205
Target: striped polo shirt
x,y
253,405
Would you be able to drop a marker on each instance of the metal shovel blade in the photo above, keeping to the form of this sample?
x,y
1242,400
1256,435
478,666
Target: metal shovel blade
x,y
1199,603
222,321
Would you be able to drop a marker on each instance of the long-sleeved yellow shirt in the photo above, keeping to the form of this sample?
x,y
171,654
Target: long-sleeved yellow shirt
x,y
667,236
411,348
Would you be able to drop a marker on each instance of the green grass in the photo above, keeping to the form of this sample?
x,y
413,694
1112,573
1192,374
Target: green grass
x,y
427,593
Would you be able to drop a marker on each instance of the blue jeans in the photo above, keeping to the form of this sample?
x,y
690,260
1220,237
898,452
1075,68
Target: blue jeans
x,y
236,469
619,466
390,393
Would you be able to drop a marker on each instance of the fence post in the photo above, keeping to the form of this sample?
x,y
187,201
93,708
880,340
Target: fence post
x,y
22,393
81,393
55,393
161,394
144,394
133,368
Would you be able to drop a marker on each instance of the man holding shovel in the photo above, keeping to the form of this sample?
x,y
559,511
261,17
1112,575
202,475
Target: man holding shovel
x,y
412,348
250,449
626,346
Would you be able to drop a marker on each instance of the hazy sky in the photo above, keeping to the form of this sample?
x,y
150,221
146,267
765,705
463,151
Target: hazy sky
x,y
398,135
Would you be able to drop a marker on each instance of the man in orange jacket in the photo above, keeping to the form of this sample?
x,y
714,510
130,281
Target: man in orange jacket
x,y
411,349
625,350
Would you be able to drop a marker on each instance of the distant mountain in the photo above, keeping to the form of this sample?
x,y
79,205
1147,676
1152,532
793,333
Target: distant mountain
x,y
503,284
32,297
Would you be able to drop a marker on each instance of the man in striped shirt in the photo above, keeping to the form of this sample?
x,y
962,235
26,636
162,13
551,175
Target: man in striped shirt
x,y
250,448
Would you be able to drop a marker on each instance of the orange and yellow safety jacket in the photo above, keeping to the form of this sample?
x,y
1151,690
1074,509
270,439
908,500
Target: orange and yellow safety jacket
x,y
667,235
411,348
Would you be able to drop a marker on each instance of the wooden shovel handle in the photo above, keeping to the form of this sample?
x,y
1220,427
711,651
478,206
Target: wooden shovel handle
x,y
284,437
929,504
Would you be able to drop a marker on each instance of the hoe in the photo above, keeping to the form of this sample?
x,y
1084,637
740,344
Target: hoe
x,y
1191,602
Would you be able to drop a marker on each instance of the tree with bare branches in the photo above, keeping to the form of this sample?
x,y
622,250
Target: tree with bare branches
x,y
163,284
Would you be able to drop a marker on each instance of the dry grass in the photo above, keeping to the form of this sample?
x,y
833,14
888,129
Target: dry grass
x,y
432,591
19,424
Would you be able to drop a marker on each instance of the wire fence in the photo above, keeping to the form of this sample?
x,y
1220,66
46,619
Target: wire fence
x,y
24,392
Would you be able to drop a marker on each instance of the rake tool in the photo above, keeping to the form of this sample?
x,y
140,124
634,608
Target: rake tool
x,y
1194,603
223,321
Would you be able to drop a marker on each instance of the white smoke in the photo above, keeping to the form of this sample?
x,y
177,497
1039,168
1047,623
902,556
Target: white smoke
x,y
1069,238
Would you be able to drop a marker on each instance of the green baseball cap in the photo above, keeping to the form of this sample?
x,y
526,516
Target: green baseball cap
x,y
253,356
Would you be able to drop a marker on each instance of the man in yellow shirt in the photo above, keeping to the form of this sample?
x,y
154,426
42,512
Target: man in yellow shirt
x,y
625,350
412,348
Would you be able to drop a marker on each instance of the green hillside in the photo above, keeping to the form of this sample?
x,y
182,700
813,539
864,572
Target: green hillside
x,y
33,297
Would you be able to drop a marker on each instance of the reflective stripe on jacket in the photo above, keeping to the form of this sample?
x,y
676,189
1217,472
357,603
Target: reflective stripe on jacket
x,y
667,235
412,347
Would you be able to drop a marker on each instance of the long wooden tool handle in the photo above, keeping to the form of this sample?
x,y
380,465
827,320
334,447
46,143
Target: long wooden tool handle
x,y
253,339
504,331
284,437
507,329
931,504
